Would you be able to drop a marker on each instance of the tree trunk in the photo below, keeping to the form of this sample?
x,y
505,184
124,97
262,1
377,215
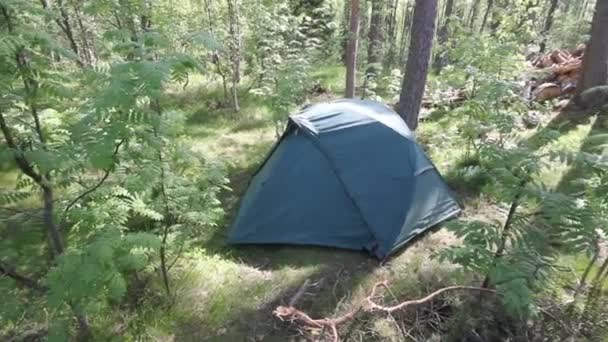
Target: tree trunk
x,y
416,69
345,30
473,13
595,64
583,281
548,24
64,24
442,37
351,49
88,48
582,8
374,50
504,236
498,12
235,50
486,15
405,31
391,31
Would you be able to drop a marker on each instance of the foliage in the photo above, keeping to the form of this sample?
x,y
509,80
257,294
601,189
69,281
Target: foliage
x,y
285,48
126,189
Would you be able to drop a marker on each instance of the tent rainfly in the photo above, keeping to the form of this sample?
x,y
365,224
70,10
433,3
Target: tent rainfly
x,y
346,174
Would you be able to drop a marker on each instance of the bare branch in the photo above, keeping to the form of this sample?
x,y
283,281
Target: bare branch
x,y
402,306
293,315
9,271
98,184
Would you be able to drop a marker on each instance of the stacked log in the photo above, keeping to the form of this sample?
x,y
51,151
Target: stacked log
x,y
558,71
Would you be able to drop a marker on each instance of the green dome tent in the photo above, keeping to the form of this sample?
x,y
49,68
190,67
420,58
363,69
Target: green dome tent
x,y
345,174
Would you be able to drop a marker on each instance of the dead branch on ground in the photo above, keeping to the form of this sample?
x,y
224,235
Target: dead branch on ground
x,y
292,314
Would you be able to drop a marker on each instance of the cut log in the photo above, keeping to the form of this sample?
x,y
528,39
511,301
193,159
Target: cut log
x,y
560,56
567,67
546,61
547,91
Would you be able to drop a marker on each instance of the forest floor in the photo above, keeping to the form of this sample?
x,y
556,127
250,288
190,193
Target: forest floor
x,y
228,293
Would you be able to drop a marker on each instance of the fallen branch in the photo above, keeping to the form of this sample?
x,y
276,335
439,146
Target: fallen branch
x,y
10,272
410,303
295,316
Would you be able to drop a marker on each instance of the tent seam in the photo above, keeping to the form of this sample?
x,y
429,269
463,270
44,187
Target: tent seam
x,y
318,146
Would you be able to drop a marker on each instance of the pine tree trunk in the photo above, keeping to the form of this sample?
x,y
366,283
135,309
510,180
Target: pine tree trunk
x,y
442,37
548,24
595,64
486,15
351,50
416,69
374,50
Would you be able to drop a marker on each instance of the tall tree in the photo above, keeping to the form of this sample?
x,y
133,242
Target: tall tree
x,y
376,36
391,24
486,15
416,69
473,13
235,49
442,36
595,65
405,30
351,49
548,24
63,21
345,30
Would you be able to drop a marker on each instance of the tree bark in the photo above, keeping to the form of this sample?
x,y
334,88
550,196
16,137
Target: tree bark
x,y
374,50
351,50
442,37
416,69
548,24
595,64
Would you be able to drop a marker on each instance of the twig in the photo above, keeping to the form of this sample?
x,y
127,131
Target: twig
x,y
98,184
375,307
300,293
9,271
